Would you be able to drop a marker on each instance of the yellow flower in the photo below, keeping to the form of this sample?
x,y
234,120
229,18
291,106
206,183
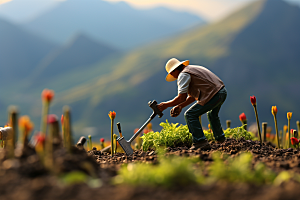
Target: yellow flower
x,y
289,115
274,110
112,115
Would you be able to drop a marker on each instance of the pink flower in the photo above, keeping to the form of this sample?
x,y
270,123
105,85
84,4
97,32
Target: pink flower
x,y
51,119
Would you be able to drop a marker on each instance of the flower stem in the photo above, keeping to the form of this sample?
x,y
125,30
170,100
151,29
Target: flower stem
x,y
276,128
44,117
289,132
257,121
112,138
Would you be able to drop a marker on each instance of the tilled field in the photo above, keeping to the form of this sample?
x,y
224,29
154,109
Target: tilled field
x,y
29,181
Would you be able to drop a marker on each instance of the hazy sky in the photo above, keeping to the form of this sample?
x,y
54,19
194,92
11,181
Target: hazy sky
x,y
210,9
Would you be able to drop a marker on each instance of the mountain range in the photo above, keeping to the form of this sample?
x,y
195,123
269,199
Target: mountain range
x,y
254,51
118,24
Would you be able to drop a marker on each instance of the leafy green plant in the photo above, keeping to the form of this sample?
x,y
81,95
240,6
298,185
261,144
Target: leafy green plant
x,y
169,172
239,169
238,133
171,135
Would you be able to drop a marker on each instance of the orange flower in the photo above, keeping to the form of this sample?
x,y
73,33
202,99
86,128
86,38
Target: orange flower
x,y
268,135
62,119
274,110
112,115
285,127
289,115
243,117
253,100
25,123
47,95
149,126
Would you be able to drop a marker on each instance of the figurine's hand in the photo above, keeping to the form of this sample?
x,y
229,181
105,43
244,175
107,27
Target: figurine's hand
x,y
175,111
162,106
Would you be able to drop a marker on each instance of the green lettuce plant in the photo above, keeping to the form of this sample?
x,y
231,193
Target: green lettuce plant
x,y
171,135
239,132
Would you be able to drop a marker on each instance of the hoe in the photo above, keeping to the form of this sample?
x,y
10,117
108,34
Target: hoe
x,y
126,145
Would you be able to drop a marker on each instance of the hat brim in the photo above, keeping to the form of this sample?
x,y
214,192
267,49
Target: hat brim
x,y
171,78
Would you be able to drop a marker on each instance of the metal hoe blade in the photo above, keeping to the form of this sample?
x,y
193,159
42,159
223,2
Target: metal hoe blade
x,y
125,146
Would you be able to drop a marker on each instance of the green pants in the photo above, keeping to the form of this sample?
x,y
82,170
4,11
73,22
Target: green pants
x,y
212,108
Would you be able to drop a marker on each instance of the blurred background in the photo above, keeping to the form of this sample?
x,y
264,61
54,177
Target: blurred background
x,y
100,56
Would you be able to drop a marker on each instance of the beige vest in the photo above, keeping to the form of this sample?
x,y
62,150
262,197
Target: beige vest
x,y
204,84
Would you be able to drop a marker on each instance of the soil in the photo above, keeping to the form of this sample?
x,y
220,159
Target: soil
x,y
25,178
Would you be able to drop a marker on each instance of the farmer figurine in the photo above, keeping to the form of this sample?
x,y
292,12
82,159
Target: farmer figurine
x,y
200,84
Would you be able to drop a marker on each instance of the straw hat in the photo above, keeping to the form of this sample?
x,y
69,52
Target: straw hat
x,y
171,65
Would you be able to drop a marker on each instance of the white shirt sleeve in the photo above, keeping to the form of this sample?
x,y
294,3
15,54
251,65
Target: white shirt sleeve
x,y
183,82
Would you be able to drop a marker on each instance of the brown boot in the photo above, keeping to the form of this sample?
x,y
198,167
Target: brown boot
x,y
203,145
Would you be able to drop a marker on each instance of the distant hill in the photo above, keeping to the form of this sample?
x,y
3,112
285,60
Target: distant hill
x,y
80,52
117,24
253,51
20,51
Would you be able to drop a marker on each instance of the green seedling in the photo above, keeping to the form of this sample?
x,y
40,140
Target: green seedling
x,y
172,171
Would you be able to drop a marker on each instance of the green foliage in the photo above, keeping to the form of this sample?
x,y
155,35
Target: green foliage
x,y
172,135
169,172
239,169
169,136
74,178
209,135
238,133
181,171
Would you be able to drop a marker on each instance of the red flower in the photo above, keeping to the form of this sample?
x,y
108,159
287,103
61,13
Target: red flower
x,y
51,119
243,117
146,131
294,141
253,100
268,135
102,140
40,139
47,95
